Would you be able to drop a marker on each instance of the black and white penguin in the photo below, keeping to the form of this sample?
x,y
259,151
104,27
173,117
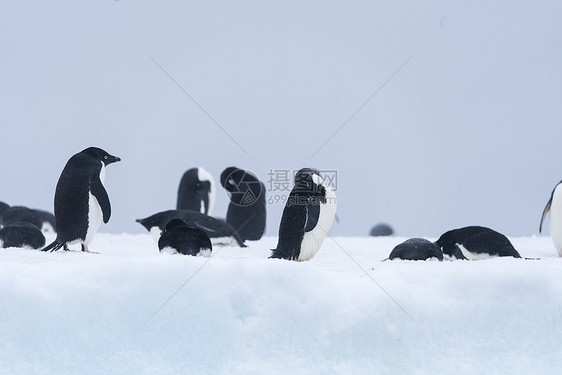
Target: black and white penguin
x,y
177,237
307,217
475,242
381,230
218,231
23,235
416,249
247,209
19,214
81,201
554,206
196,191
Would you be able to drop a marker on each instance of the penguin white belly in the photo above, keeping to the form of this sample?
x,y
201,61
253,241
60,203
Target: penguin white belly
x,y
155,231
312,241
203,175
473,256
94,218
95,213
555,222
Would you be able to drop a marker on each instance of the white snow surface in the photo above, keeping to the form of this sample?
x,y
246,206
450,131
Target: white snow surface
x,y
239,312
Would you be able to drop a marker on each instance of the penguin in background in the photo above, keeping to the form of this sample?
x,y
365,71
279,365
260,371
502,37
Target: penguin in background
x,y
48,221
3,207
416,249
247,208
554,206
22,235
20,214
81,201
307,217
196,191
179,238
218,231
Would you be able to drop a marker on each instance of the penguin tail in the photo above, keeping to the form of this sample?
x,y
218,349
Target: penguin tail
x,y
54,246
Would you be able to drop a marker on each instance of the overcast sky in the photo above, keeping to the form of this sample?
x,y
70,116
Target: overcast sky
x,y
435,114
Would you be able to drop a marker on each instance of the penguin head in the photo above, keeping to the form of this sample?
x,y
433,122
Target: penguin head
x,y
101,155
243,187
149,222
308,183
231,178
174,223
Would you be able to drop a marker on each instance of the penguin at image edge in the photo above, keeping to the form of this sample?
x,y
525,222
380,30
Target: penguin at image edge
x,y
554,206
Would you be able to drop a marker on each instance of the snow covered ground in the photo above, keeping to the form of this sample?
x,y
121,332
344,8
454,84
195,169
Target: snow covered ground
x,y
241,313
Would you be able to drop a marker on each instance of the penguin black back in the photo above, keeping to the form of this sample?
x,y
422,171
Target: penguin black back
x,y
475,242
247,209
21,235
81,177
381,230
20,214
3,207
184,239
416,249
214,228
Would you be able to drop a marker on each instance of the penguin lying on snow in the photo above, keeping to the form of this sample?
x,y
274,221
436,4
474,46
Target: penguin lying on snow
x,y
381,230
23,235
474,243
19,214
196,191
416,249
554,205
307,217
80,198
247,209
218,231
177,237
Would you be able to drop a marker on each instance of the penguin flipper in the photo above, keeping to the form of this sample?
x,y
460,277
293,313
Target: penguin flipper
x,y
99,192
544,213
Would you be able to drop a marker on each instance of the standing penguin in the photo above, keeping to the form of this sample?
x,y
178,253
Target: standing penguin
x,y
80,198
196,191
246,211
554,205
307,217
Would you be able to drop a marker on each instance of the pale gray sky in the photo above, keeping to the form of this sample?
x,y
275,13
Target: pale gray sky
x,y
467,132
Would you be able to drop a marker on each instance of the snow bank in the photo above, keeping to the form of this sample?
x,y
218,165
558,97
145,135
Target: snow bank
x,y
241,313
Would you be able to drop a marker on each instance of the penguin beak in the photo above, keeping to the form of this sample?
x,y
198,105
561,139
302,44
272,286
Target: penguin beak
x,y
116,159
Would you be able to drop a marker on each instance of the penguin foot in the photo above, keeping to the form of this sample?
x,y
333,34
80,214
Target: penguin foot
x,y
86,250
